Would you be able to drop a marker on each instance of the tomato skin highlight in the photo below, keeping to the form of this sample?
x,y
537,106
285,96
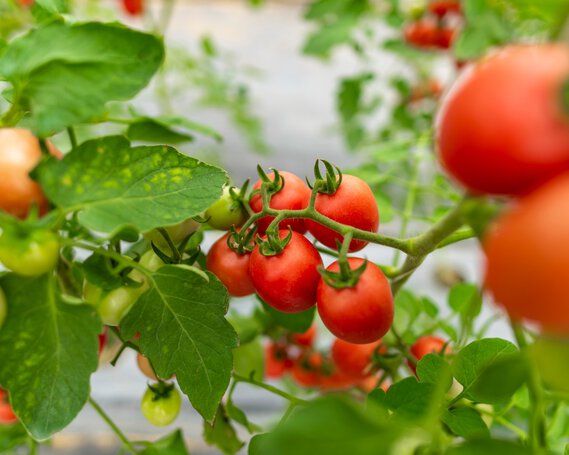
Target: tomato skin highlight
x,y
294,195
527,146
20,152
527,257
360,314
287,281
230,267
161,411
352,204
354,360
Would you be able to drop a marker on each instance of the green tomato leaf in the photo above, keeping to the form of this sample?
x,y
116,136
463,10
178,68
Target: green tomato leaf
x,y
12,436
465,422
435,369
114,185
499,380
471,361
48,348
550,355
321,42
49,10
331,426
222,434
235,413
168,130
84,67
411,399
489,447
295,322
173,444
183,332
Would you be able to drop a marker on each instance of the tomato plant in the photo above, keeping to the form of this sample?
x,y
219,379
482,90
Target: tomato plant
x,y
455,114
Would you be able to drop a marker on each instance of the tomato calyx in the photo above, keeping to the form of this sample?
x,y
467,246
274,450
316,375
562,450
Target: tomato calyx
x,y
269,185
242,241
272,244
161,390
329,183
345,278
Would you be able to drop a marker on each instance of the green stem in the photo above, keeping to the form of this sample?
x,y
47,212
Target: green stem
x,y
72,137
537,425
458,236
126,443
270,388
421,245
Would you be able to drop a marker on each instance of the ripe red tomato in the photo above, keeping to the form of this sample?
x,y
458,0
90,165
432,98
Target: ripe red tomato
x,y
277,361
133,7
355,360
353,204
294,195
306,370
230,267
444,37
441,8
7,416
527,257
337,380
427,345
421,33
305,339
501,129
19,153
287,281
369,383
102,341
360,314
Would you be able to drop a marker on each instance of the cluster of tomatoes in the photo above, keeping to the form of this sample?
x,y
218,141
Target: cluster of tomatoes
x,y
503,130
344,366
285,269
437,28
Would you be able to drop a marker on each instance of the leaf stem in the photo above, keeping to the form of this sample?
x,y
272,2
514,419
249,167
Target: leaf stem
x,y
126,443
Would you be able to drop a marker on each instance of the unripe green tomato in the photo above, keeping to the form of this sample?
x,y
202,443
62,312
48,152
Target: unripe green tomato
x,y
3,307
225,212
114,305
31,254
161,411
152,262
177,233
91,293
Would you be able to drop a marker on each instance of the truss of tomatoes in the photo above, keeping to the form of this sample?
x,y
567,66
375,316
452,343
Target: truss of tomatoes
x,y
291,280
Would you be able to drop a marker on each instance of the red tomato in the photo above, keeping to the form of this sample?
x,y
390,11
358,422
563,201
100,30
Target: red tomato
x,y
7,416
19,153
288,280
421,33
305,339
355,360
133,7
26,2
444,37
231,268
369,383
102,341
277,361
527,257
501,129
294,195
306,370
427,345
352,204
441,8
360,314
337,380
